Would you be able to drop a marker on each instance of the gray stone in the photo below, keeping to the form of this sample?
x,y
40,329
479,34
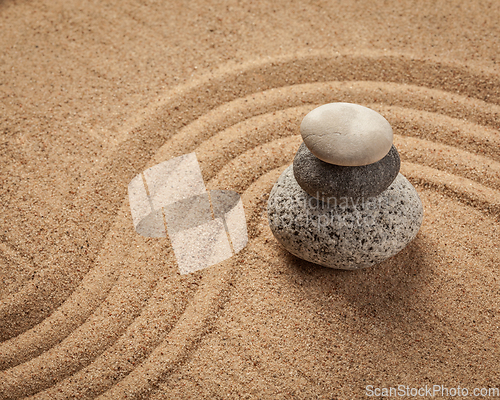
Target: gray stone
x,y
346,134
323,180
348,235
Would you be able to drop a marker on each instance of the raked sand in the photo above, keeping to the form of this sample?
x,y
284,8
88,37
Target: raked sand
x,y
93,93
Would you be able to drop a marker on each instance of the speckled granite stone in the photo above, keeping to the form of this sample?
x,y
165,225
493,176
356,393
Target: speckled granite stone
x,y
322,180
347,235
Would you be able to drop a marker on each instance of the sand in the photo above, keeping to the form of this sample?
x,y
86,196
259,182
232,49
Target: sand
x,y
93,93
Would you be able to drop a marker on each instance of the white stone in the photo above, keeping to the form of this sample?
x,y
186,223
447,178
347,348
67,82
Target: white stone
x,y
346,134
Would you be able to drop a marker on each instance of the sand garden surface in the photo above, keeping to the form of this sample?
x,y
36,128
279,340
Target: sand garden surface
x,y
94,93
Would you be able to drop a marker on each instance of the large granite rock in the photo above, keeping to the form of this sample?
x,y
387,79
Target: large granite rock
x,y
349,234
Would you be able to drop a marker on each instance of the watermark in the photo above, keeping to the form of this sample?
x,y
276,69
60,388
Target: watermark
x,y
321,202
323,213
204,227
430,391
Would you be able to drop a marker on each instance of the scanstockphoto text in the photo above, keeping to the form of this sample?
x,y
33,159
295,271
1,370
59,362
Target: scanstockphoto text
x,y
430,391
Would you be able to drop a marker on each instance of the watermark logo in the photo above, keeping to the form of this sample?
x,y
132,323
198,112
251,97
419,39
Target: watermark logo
x,y
204,227
322,213
430,391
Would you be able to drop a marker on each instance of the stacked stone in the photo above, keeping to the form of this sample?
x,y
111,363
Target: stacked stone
x,y
343,203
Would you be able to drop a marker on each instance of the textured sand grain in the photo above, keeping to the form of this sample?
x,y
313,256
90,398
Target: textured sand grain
x,y
91,94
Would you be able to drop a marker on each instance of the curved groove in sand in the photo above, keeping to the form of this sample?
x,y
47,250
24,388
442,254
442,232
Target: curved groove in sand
x,y
260,128
469,192
141,337
215,115
110,322
453,160
175,348
473,109
75,310
444,129
19,267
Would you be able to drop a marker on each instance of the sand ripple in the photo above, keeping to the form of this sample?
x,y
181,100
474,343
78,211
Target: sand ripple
x,y
130,321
